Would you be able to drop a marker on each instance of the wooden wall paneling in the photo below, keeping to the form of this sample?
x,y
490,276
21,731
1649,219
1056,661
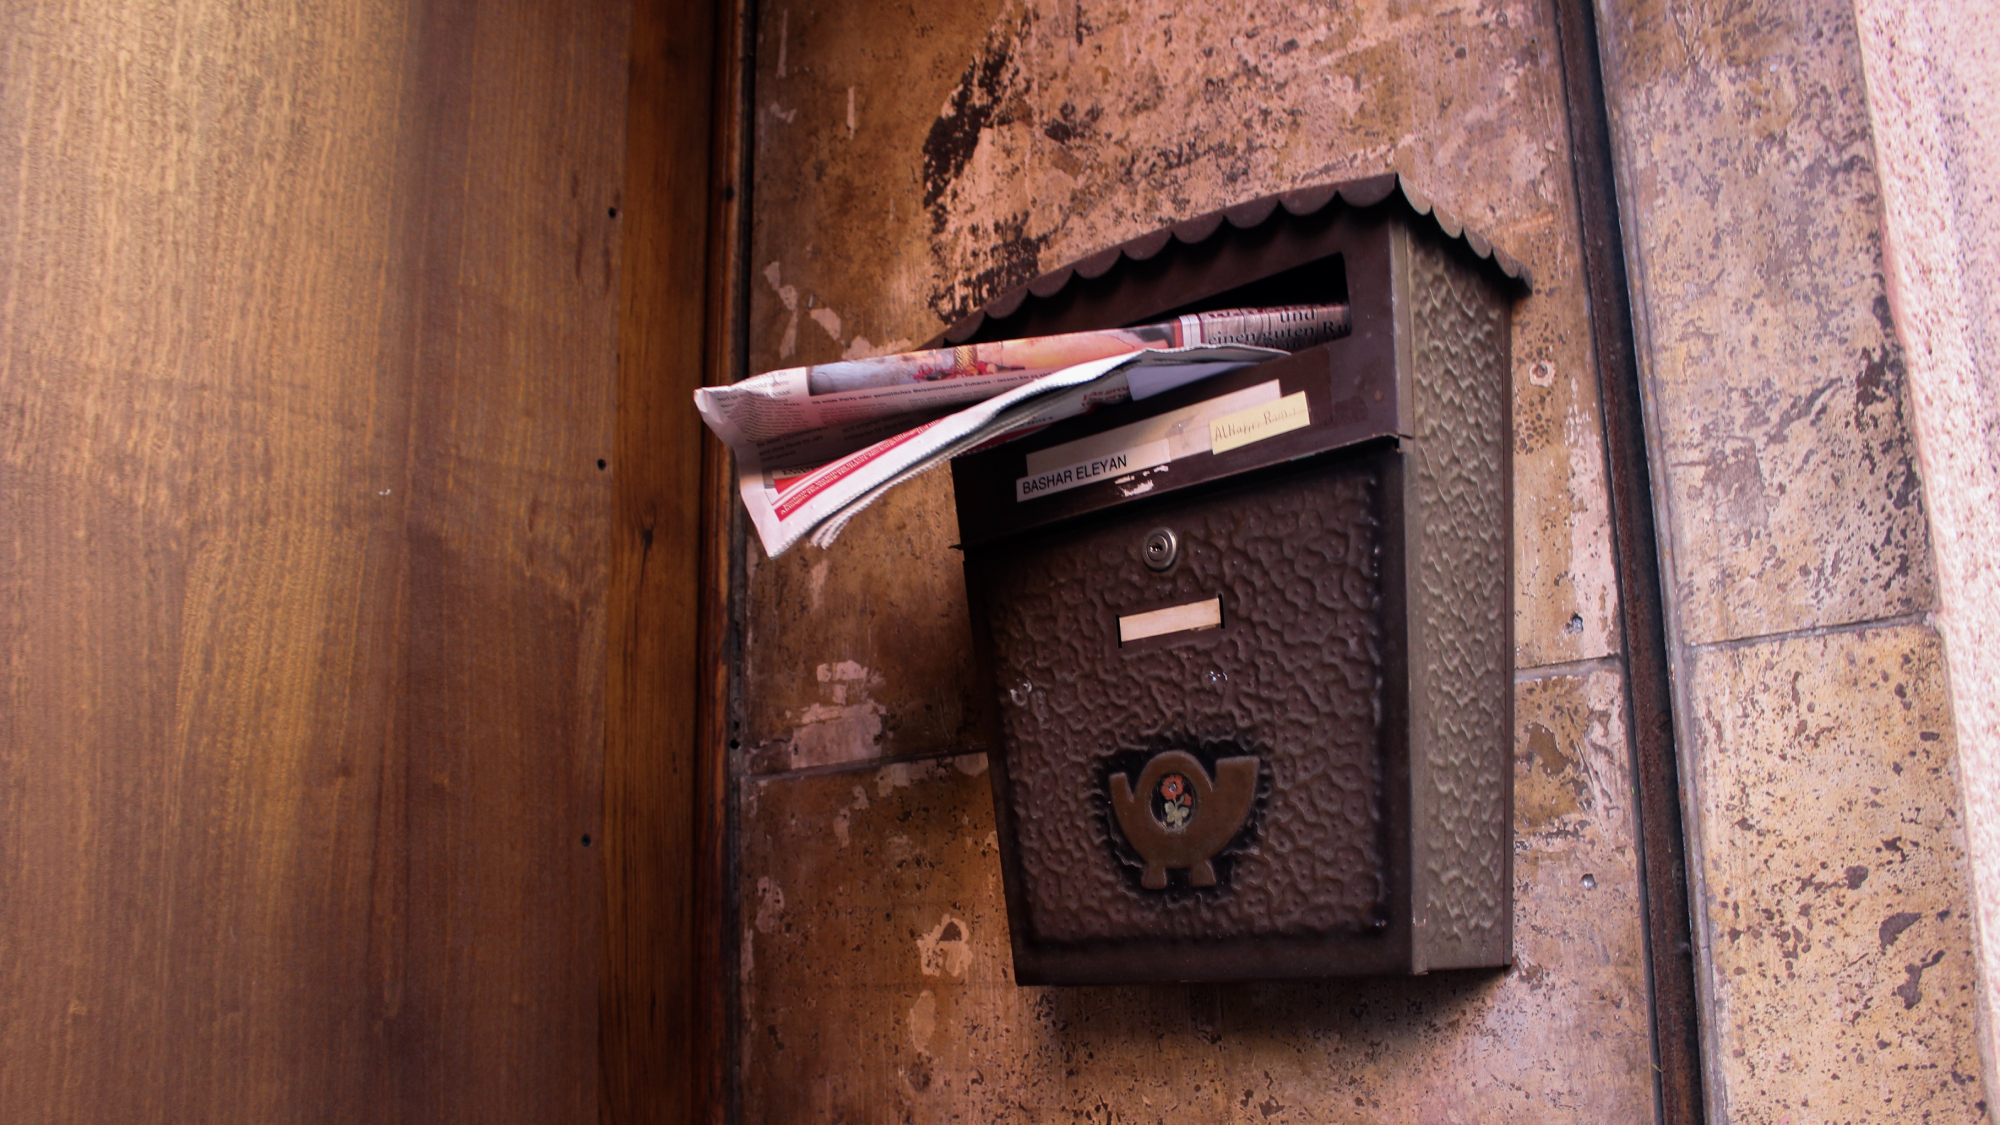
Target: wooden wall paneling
x,y
306,362
723,540
509,525
666,983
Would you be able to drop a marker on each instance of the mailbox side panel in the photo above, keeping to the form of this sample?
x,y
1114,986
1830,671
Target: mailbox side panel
x,y
1460,532
1028,967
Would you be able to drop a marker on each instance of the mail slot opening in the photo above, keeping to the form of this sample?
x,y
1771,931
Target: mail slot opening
x,y
1319,782
1322,281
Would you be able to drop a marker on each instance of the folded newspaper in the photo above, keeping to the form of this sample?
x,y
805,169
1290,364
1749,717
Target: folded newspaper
x,y
816,445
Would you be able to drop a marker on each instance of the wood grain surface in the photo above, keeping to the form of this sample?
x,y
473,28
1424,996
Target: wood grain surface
x,y
307,331
723,580
660,1026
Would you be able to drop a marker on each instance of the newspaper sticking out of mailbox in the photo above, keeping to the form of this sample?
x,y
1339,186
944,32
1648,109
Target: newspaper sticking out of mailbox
x,y
807,416
811,442
786,507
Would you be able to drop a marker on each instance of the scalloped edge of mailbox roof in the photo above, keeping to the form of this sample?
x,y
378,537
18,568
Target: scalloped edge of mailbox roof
x,y
1358,194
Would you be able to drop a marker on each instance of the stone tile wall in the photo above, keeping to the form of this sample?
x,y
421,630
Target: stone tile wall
x,y
1824,817
1933,71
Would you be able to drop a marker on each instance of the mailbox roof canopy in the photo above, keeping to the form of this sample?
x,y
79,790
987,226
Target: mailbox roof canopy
x,y
1390,189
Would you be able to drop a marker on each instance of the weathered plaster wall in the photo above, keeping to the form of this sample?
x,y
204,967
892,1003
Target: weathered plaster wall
x,y
912,164
913,161
1083,128
1933,71
878,985
1816,733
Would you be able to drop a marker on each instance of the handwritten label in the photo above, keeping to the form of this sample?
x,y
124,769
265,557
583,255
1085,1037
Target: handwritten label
x,y
1259,422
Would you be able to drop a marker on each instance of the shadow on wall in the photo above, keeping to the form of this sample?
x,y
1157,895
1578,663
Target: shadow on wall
x,y
1380,1012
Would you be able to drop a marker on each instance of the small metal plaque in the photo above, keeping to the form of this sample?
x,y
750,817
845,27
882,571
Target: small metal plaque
x,y
1205,614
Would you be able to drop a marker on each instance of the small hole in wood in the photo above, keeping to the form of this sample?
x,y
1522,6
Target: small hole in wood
x,y
586,839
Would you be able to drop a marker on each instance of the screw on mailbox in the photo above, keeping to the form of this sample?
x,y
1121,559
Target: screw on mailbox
x,y
1162,547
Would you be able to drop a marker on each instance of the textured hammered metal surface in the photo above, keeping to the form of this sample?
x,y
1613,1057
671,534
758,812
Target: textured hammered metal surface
x,y
1367,191
1294,677
1459,605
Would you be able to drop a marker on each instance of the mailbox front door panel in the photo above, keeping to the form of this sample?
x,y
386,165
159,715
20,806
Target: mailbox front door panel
x,y
1288,670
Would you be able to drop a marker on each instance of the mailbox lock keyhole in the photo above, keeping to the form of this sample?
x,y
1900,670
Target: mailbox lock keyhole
x,y
1162,548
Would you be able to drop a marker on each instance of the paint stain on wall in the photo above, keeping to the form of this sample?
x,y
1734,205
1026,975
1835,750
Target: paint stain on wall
x,y
843,728
947,948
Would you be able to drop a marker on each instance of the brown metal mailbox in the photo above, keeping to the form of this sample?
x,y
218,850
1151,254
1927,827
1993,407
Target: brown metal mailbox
x,y
1255,703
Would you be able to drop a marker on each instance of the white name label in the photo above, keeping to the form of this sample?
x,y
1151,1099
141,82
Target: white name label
x,y
1131,448
1124,461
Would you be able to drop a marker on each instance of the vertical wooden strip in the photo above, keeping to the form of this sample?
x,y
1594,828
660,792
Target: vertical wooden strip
x,y
722,542
507,523
1648,692
661,1029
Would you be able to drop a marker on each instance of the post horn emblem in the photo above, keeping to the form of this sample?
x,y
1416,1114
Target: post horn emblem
x,y
1177,817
